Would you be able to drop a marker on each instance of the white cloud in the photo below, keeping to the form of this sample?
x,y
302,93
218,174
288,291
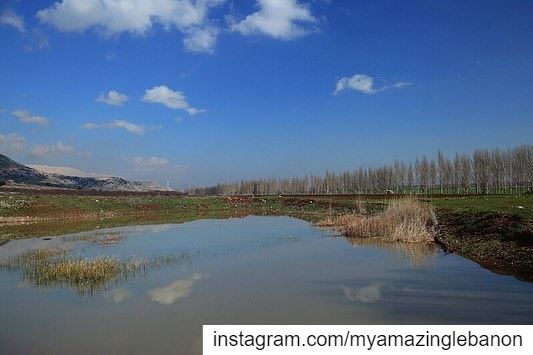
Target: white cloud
x,y
10,18
113,97
365,84
26,117
128,126
149,162
175,291
171,99
59,148
193,111
134,16
201,39
281,19
12,143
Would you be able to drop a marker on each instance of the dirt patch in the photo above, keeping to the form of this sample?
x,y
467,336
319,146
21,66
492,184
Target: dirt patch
x,y
500,242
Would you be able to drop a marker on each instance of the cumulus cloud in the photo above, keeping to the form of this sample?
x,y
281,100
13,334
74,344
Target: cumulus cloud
x,y
365,84
57,149
128,126
149,162
113,97
171,99
368,294
134,16
201,39
10,18
26,117
12,143
175,291
280,19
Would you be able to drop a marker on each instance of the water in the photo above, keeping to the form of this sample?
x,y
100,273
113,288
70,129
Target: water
x,y
254,270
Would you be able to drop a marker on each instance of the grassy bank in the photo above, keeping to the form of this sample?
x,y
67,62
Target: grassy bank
x,y
499,241
23,215
495,231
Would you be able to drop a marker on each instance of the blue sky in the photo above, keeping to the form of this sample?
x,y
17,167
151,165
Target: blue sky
x,y
202,91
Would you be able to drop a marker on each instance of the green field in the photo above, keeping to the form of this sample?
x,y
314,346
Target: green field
x,y
488,204
24,215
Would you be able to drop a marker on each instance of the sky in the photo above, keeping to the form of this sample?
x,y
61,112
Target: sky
x,y
201,91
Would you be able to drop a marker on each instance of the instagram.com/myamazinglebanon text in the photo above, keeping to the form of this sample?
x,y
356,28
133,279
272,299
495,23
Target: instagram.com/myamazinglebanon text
x,y
372,339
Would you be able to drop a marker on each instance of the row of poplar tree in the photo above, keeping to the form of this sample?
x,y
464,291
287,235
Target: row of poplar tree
x,y
486,171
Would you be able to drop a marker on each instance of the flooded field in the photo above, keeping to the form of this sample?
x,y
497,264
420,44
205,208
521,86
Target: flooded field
x,y
156,285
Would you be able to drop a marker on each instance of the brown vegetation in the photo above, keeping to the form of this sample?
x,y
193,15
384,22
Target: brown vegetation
x,y
404,220
52,267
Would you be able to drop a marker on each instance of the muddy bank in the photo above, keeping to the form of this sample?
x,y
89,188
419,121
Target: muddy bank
x,y
500,242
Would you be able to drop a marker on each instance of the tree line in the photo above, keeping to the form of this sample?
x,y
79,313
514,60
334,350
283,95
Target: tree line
x,y
494,171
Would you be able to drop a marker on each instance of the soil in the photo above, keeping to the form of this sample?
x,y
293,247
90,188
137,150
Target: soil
x,y
500,242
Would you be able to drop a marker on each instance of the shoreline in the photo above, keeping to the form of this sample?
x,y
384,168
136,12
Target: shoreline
x,y
499,242
488,230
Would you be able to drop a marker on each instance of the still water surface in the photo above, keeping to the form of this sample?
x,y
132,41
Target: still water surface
x,y
254,270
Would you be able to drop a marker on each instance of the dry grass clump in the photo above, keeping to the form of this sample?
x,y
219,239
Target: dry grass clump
x,y
83,274
404,220
31,258
337,221
54,267
47,267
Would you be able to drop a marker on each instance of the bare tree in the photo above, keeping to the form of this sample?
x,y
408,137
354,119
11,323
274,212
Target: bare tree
x,y
494,171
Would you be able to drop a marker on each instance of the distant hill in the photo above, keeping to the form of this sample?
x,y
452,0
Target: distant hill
x,y
64,170
11,171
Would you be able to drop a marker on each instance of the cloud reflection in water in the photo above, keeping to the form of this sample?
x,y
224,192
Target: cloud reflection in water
x,y
175,291
368,294
120,294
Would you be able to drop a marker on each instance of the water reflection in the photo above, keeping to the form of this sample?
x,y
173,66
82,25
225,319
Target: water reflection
x,y
120,294
175,291
99,237
280,241
368,294
162,309
70,267
112,236
417,254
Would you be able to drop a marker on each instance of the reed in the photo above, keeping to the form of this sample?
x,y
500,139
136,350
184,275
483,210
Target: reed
x,y
404,220
82,274
55,267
